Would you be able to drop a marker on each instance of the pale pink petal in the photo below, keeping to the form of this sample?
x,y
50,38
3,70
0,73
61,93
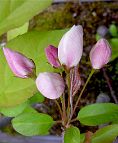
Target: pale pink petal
x,y
51,85
100,54
71,47
52,55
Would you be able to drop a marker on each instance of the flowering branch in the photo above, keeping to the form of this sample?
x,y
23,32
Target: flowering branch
x,y
68,55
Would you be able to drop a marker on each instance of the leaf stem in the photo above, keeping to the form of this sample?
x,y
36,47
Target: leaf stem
x,y
69,95
60,110
63,108
109,85
73,120
58,122
90,75
71,103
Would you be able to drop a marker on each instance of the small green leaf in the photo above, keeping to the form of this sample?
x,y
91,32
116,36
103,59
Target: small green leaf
x,y
30,124
113,30
13,111
72,135
82,138
114,45
106,134
98,113
29,109
38,97
11,34
115,122
98,37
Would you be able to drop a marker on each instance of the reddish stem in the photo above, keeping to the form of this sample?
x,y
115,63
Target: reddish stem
x,y
110,86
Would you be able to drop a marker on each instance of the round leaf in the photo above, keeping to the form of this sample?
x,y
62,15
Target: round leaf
x,y
98,37
98,113
106,134
13,111
114,45
37,97
30,124
29,109
113,30
72,135
82,138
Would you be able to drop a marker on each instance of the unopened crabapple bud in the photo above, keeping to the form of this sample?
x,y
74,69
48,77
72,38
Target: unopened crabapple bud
x,y
20,65
51,85
71,47
100,54
52,56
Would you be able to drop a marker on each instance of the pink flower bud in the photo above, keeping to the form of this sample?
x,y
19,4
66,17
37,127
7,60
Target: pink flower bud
x,y
71,47
20,65
100,54
51,85
52,55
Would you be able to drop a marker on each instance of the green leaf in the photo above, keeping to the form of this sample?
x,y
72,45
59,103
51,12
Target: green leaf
x,y
82,138
11,34
4,9
113,30
115,122
30,124
106,134
114,45
0,47
98,113
31,44
72,135
98,37
29,109
15,13
38,97
13,111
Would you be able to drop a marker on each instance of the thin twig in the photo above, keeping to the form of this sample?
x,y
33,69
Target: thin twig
x,y
58,122
68,84
71,103
110,86
71,96
83,89
90,75
73,120
63,108
59,108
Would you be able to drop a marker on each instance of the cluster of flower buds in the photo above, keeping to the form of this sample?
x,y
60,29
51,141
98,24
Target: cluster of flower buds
x,y
68,54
